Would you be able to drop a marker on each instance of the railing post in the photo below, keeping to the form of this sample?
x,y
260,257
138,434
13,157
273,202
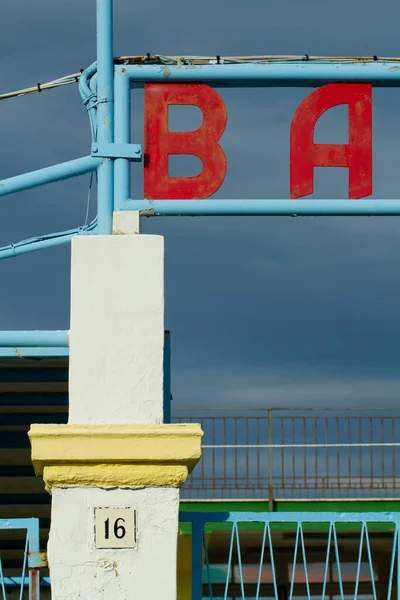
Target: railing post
x,y
33,534
270,450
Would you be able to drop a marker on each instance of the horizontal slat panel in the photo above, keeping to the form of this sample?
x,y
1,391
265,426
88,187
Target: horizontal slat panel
x,y
16,472
22,485
14,439
45,363
32,410
34,399
14,428
25,511
28,499
34,387
15,456
18,535
12,563
29,418
33,375
11,553
30,392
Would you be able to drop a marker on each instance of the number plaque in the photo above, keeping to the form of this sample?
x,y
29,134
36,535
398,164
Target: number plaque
x,y
115,527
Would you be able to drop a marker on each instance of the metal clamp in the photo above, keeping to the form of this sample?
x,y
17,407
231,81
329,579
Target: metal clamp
x,y
37,560
132,152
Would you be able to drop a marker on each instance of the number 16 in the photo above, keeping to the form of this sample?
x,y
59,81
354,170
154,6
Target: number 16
x,y
119,530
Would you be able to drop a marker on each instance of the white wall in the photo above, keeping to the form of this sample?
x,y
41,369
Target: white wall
x,y
117,329
79,570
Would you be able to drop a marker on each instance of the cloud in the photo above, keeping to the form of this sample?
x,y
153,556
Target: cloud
x,y
246,297
286,386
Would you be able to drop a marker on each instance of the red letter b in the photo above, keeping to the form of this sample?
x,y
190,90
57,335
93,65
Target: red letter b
x,y
160,143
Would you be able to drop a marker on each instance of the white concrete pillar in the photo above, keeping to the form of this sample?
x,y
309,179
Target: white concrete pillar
x,y
117,329
115,470
148,571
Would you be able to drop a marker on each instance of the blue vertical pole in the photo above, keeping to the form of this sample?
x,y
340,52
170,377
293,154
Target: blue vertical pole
x,y
33,535
122,166
105,112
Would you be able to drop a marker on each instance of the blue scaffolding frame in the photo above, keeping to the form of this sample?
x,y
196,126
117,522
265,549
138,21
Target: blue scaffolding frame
x,y
105,88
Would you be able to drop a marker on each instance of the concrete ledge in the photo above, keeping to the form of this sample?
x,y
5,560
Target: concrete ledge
x,y
112,456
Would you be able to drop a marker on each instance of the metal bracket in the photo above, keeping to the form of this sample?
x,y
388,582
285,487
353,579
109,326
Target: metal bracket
x,y
132,152
37,560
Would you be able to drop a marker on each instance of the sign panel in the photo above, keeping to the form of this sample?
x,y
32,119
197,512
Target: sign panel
x,y
160,143
115,527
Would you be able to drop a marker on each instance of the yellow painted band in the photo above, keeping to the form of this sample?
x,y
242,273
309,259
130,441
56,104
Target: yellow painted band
x,y
112,476
109,456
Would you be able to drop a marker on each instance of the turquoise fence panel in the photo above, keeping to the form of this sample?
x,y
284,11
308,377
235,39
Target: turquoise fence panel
x,y
20,553
295,556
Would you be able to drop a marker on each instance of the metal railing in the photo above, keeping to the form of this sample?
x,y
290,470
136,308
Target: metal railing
x,y
295,453
292,555
20,559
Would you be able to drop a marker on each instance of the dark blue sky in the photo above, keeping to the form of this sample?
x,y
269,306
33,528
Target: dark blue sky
x,y
263,311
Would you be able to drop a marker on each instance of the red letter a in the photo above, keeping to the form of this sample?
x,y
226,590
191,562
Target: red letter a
x,y
160,143
356,155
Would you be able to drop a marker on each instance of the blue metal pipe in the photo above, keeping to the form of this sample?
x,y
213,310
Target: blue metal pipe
x,y
37,352
284,74
72,168
199,519
105,112
29,339
14,251
122,168
89,96
280,208
41,244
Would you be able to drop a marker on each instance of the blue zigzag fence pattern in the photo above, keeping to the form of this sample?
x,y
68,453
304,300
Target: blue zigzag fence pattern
x,y
288,556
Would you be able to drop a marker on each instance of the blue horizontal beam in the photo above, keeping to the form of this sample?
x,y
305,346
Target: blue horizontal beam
x,y
280,208
72,168
288,517
48,339
290,73
27,524
33,352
